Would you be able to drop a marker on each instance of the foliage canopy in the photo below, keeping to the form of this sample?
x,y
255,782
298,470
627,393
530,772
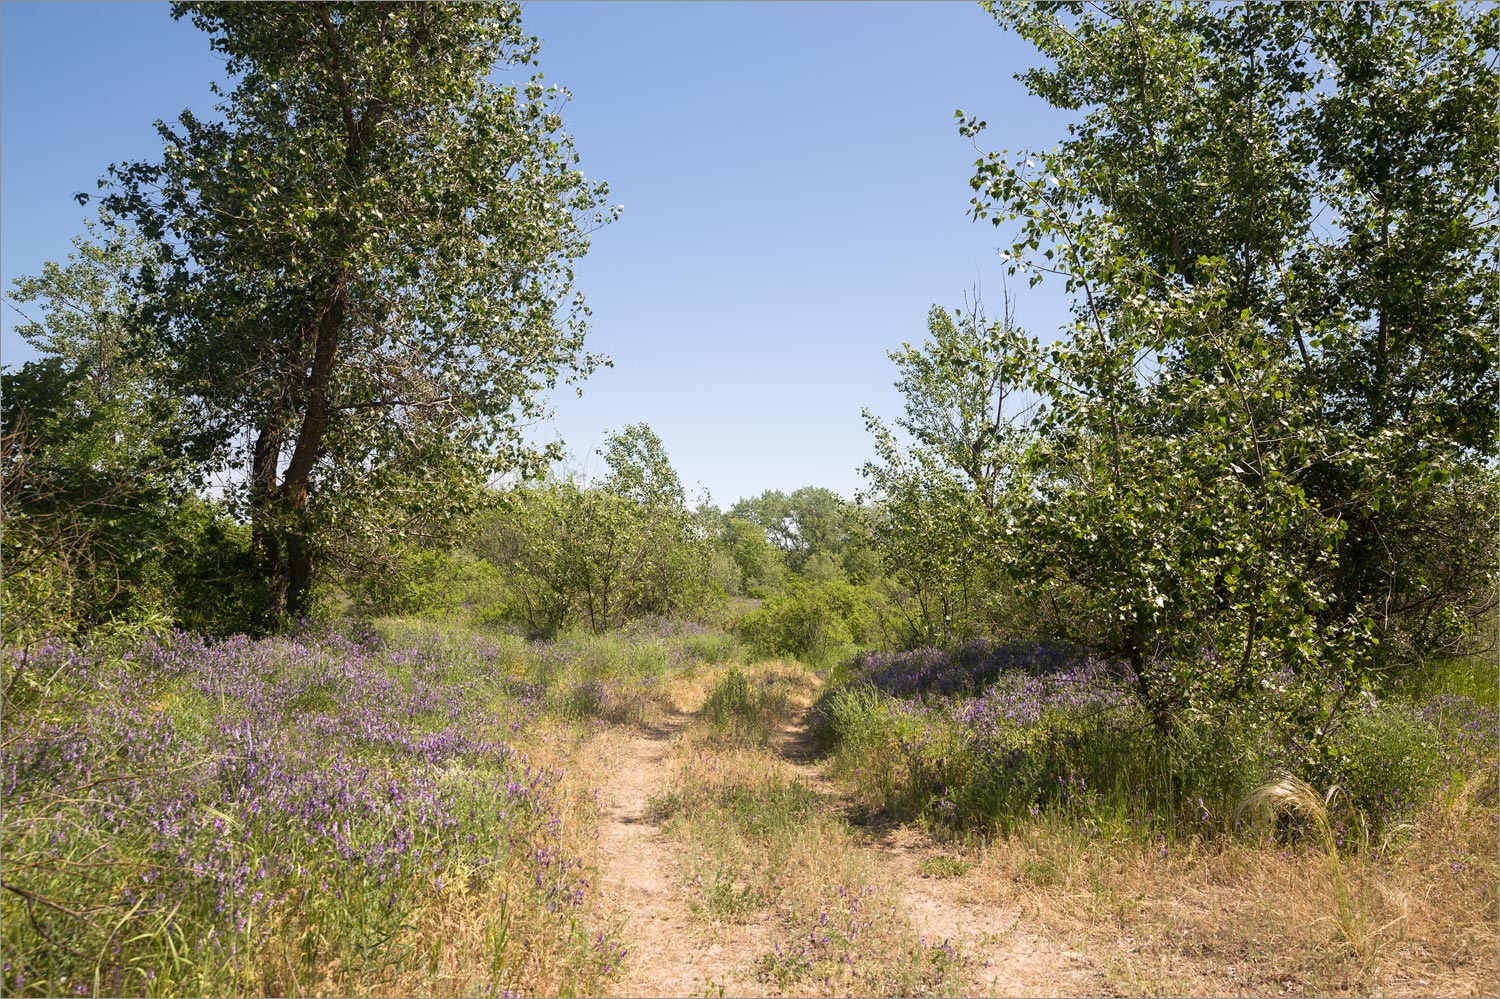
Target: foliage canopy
x,y
365,267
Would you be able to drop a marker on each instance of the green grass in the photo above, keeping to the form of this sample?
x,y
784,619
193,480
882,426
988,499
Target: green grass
x,y
307,815
944,867
1474,677
1112,776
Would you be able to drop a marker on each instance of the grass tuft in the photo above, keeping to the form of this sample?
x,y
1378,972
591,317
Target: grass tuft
x,y
1291,795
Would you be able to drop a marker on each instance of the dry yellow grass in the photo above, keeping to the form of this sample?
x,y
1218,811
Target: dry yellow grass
x,y
1237,919
1129,916
466,942
759,847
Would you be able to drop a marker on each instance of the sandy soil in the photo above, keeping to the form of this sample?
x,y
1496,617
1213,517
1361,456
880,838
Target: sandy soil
x,y
1007,955
671,951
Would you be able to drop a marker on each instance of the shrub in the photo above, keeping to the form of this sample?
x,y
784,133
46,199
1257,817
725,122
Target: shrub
x,y
713,647
1209,768
993,735
432,581
814,622
1386,759
729,698
747,707
189,562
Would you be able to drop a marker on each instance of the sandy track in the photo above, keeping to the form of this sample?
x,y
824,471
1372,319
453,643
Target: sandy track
x,y
1007,956
1008,953
671,951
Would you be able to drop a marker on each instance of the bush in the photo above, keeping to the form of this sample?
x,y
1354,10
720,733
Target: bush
x,y
814,622
1386,759
603,553
745,707
990,736
189,562
729,698
713,647
410,580
1213,767
888,745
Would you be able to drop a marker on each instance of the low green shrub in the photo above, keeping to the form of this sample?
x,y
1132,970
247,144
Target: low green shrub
x,y
713,647
1387,761
729,699
944,867
749,707
817,623
1069,745
1211,767
427,581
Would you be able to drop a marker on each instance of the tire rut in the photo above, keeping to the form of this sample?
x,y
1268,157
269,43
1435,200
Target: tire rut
x,y
672,951
669,950
1006,956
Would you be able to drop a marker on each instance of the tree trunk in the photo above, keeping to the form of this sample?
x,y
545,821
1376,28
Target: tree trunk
x,y
299,560
265,536
278,508
299,573
1156,702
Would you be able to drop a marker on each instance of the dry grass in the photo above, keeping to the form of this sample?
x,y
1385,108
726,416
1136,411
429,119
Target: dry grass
x,y
774,881
1290,795
759,845
764,840
1237,919
466,942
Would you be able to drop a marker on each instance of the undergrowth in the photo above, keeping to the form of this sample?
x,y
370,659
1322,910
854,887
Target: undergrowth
x,y
345,811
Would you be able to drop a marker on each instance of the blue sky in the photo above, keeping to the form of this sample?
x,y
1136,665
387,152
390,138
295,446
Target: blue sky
x,y
795,198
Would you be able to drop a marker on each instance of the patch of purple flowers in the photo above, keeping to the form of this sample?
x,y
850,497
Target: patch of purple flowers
x,y
967,669
221,794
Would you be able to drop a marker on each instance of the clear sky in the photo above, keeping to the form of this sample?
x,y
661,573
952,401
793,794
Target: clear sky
x,y
795,199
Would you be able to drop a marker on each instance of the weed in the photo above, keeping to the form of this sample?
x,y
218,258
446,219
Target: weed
x,y
1292,795
749,709
289,815
944,867
1041,871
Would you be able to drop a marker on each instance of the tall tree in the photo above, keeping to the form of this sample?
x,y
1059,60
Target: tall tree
x,y
1278,223
937,490
368,267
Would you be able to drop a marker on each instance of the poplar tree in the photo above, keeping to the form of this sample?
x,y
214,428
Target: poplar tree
x,y
366,267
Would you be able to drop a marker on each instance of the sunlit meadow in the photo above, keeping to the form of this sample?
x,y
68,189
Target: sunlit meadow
x,y
334,812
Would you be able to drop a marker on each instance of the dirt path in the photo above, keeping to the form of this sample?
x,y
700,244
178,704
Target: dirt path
x,y
1007,956
670,951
